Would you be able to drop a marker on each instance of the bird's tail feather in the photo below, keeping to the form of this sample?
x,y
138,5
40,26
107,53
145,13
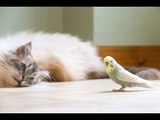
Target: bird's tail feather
x,y
147,84
151,86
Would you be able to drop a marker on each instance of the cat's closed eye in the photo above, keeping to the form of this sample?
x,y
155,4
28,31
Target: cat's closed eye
x,y
29,65
22,67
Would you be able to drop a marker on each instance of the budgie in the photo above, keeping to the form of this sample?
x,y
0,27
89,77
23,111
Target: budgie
x,y
121,76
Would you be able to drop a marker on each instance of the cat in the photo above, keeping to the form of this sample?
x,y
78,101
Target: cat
x,y
30,57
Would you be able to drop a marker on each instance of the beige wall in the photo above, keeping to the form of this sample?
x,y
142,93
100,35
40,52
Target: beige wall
x,y
79,21
14,19
127,26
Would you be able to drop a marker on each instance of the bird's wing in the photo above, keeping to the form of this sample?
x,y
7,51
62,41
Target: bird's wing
x,y
126,76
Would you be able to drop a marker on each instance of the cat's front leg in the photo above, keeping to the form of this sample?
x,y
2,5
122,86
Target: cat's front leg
x,y
42,76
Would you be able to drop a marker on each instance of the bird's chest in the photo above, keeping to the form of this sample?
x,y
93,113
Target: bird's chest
x,y
113,77
109,69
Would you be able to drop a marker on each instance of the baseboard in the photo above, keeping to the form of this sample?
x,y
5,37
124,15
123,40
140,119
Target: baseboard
x,y
138,56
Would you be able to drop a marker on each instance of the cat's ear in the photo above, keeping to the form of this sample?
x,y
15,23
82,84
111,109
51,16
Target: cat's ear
x,y
24,50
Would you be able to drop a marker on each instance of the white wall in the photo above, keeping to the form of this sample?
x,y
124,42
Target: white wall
x,y
105,25
14,19
74,20
127,26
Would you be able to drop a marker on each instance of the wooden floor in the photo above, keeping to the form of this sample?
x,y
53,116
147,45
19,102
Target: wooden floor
x,y
91,96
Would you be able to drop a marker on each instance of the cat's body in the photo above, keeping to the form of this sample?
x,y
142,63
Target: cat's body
x,y
66,57
63,57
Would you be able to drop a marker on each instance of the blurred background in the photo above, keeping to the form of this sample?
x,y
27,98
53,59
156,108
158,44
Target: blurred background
x,y
102,25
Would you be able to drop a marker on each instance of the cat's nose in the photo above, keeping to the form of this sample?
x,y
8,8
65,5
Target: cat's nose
x,y
30,79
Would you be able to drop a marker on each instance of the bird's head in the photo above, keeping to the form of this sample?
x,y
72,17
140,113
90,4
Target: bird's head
x,y
110,63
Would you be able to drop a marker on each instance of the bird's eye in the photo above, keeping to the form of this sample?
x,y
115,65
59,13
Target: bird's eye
x,y
111,61
22,67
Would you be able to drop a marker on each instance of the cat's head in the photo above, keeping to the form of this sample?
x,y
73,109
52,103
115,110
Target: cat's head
x,y
17,67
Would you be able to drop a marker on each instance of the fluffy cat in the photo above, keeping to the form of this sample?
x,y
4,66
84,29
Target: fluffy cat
x,y
27,58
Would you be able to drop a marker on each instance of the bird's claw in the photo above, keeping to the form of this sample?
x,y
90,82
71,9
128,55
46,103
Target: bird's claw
x,y
119,90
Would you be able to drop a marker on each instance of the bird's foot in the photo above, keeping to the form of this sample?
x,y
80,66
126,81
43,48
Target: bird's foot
x,y
119,90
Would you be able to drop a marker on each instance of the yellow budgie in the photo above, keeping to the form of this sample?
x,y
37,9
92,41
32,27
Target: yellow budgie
x,y
121,76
